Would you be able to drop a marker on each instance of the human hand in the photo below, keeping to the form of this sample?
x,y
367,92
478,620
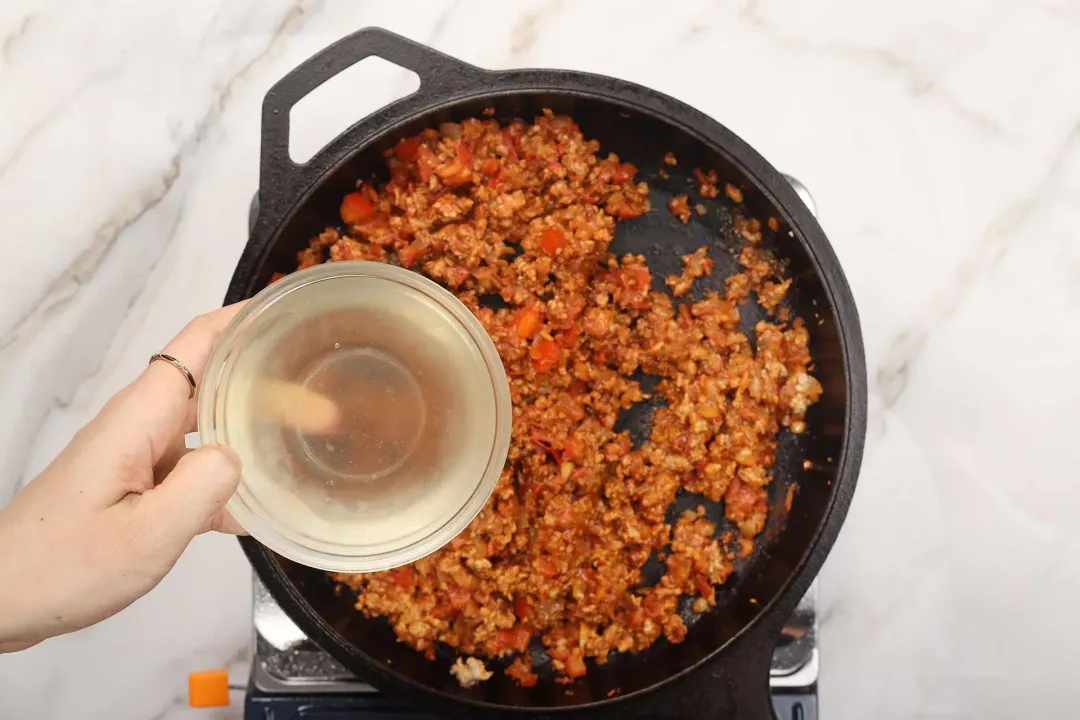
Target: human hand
x,y
108,518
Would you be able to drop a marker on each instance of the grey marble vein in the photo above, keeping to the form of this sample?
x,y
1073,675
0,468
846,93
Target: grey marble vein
x,y
1004,230
62,402
526,31
58,293
11,40
106,236
918,81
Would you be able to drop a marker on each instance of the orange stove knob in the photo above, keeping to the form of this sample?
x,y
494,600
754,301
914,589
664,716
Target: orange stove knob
x,y
208,688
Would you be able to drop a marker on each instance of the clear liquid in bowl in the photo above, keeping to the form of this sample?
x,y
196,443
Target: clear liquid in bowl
x,y
381,414
363,412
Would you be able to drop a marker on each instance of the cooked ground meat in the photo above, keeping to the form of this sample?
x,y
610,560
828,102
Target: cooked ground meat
x,y
527,212
771,293
679,207
706,183
470,671
734,194
749,228
695,265
669,159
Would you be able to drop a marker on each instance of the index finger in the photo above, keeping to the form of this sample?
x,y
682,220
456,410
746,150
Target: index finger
x,y
158,402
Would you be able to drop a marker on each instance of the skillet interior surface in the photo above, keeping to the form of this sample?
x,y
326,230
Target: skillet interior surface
x,y
808,461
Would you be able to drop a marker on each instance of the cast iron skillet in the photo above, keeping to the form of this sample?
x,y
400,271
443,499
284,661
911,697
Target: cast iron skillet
x,y
721,669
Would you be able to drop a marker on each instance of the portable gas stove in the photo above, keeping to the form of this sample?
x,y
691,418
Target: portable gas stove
x,y
293,679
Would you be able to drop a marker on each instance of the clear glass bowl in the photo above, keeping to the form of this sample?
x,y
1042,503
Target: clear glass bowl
x,y
370,410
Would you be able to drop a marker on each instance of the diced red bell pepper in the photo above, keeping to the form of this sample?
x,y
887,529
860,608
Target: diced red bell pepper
x,y
545,355
355,208
546,567
406,150
408,254
552,240
425,162
528,322
575,664
521,607
403,577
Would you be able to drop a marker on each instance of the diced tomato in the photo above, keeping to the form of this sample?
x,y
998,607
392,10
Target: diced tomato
x,y
546,567
403,577
678,569
464,155
704,587
569,336
442,611
425,162
523,636
490,166
516,639
408,254
520,672
458,171
521,607
545,355
355,207
575,664
640,277
406,150
528,322
623,172
504,640
552,240
618,206
634,286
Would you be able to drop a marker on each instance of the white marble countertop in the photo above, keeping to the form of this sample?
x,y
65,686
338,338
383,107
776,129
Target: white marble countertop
x,y
941,141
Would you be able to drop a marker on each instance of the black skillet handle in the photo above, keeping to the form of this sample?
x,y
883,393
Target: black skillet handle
x,y
439,75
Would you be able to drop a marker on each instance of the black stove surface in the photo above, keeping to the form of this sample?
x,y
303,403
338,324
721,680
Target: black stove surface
x,y
375,706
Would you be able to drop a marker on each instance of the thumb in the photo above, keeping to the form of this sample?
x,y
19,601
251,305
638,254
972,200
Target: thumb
x,y
191,496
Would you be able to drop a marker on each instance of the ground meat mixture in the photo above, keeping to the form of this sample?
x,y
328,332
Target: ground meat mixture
x,y
526,212
706,183
734,194
748,228
679,208
470,671
695,265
